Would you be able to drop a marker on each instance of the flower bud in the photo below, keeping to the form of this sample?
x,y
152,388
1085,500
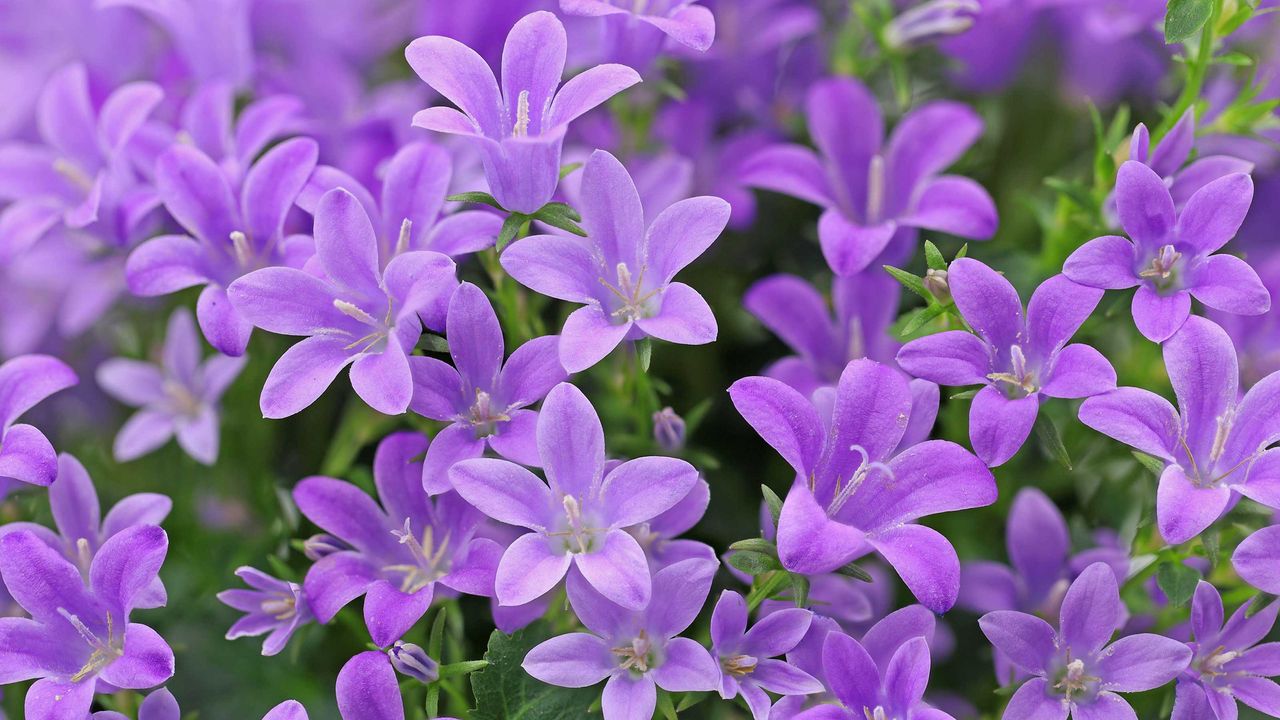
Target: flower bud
x,y
668,430
931,21
322,545
412,661
935,281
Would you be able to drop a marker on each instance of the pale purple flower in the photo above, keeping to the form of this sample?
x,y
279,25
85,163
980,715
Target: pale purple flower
x,y
78,635
399,551
229,237
856,490
1168,159
622,273
930,21
578,519
1019,360
179,397
25,453
660,536
634,33
870,192
1169,255
274,606
483,398
355,314
747,667
1214,444
668,430
157,705
637,650
520,127
1255,559
1227,663
1076,671
212,38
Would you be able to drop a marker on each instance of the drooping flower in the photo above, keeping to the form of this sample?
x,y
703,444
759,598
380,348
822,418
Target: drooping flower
x,y
274,606
1169,255
399,551
622,272
1019,360
855,492
484,398
520,127
25,453
354,314
633,33
228,237
178,397
578,519
874,196
158,705
1076,671
1214,444
408,215
80,634
1227,663
638,650
866,689
747,666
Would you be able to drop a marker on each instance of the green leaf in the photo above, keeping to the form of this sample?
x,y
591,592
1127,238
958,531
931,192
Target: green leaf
x,y
1260,603
759,545
1238,18
1211,540
964,394
433,343
644,353
504,691
563,217
465,667
920,318
510,229
909,281
568,168
1177,581
774,502
800,590
854,571
753,563
690,699
1052,440
1237,59
665,707
478,198
964,250
933,256
1154,464
1184,18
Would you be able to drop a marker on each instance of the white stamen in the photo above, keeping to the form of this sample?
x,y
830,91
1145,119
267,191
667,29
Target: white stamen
x,y
875,189
240,242
353,311
522,115
402,243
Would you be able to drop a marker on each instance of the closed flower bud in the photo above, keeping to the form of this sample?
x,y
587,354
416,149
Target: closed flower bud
x,y
322,545
412,661
935,281
668,430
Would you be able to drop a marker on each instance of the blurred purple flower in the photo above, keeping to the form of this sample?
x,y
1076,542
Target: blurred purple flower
x,y
212,38
634,33
745,656
25,453
930,21
1255,559
272,606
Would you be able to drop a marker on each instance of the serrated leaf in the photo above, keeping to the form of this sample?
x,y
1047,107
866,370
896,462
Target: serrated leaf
x,y
1184,18
753,563
1049,436
933,256
478,198
504,691
1154,464
1177,581
920,318
854,571
909,281
773,502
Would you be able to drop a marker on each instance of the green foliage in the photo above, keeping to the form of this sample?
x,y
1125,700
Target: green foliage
x,y
504,691
1184,18
1177,581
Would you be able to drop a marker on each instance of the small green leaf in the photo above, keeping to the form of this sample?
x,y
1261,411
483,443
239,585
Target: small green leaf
x,y
665,706
1260,603
1237,59
690,699
800,590
568,168
553,209
478,198
753,563
644,353
566,219
933,256
510,229
1238,18
1154,464
1211,540
964,394
759,545
964,250
465,667
1184,18
433,343
1047,430
774,502
920,318
1177,581
909,281
854,571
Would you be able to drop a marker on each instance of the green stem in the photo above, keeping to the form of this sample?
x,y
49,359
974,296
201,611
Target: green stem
x,y
776,580
1196,73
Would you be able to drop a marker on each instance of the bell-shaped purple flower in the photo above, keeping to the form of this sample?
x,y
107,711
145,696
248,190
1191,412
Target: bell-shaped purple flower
x,y
634,33
1169,255
872,193
25,453
399,551
622,272
1019,360
1214,444
485,399
272,605
80,634
1075,670
355,313
856,491
179,397
746,657
519,127
637,650
228,237
577,519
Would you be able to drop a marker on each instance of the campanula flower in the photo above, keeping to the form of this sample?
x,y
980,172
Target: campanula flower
x,y
637,650
634,33
856,490
483,398
622,273
274,606
1170,256
747,667
1019,360
519,127
1075,670
25,453
179,397
578,515
866,689
1168,159
355,314
158,705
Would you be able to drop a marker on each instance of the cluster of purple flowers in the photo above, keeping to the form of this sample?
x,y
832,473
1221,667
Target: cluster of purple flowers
x,y
411,234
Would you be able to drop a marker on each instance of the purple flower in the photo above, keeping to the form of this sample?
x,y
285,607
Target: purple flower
x,y
1019,361
854,492
287,710
78,634
1255,559
25,453
579,519
273,606
399,551
1169,255
866,304
622,272
213,39
158,705
637,650
229,238
483,398
520,128
746,667
872,194
367,689
867,686
1168,157
635,32
930,21
1227,663
178,397
409,215
1214,444
1074,670
354,314
81,529
660,535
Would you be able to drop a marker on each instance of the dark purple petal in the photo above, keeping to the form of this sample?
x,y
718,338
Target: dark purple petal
x,y
197,194
1037,540
390,613
931,477
437,389
850,671
222,326
336,580
147,660
343,510
166,264
987,301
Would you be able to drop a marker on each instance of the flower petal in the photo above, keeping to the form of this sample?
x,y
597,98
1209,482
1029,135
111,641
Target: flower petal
x,y
998,426
302,374
572,660
1215,212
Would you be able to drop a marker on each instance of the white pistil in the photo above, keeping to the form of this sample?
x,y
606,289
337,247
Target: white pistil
x,y
521,127
1162,264
402,242
877,713
104,652
875,189
1225,421
240,243
739,665
428,566
864,470
1019,377
280,607
72,172
84,555
628,290
353,311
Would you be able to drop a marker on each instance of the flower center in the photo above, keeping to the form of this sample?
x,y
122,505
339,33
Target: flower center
x,y
1021,381
183,400
521,128
1073,680
104,651
73,173
739,665
1211,665
578,536
847,490
1162,267
638,656
380,330
483,416
876,713
630,292
429,562
281,607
